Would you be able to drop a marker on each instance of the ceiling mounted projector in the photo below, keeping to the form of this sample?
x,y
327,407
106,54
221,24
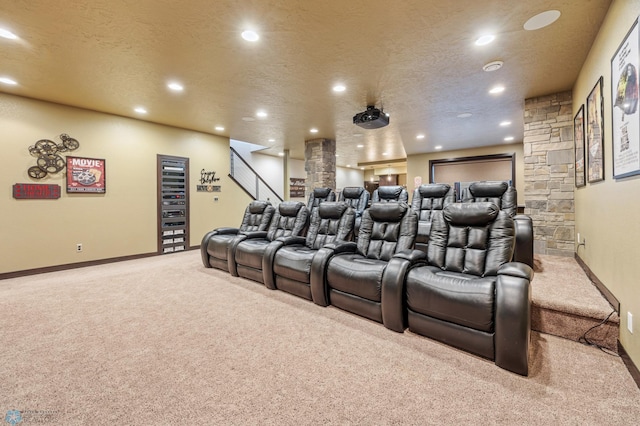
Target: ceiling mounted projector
x,y
372,118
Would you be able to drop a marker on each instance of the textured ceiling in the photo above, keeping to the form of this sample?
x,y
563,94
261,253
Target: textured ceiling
x,y
416,58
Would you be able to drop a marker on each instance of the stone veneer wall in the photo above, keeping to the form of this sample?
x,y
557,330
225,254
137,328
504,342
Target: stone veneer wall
x,y
549,172
320,164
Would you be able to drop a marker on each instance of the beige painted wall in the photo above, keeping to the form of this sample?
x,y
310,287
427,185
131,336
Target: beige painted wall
x,y
607,211
418,165
40,233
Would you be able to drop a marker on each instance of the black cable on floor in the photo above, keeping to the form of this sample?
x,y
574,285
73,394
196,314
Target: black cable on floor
x,y
585,340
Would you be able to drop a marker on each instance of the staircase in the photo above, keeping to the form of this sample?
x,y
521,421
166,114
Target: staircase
x,y
249,180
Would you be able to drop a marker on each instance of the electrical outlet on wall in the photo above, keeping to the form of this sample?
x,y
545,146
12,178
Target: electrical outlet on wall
x,y
78,247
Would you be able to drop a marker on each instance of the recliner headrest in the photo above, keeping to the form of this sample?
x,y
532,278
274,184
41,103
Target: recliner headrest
x,y
434,190
258,206
388,192
388,212
352,191
488,189
470,214
321,192
332,209
290,208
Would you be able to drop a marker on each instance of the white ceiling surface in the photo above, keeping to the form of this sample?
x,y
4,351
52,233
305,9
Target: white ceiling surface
x,y
415,58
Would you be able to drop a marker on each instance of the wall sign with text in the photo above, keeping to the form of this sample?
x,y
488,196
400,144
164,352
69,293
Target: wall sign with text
x,y
86,175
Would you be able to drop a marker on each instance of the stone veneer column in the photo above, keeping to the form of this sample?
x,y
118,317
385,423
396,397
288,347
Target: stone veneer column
x,y
320,164
549,172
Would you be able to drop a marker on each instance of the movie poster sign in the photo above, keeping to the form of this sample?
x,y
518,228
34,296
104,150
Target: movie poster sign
x,y
625,114
86,175
296,187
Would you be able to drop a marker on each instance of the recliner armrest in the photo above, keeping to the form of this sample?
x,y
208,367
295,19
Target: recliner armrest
x,y
342,247
254,234
516,269
225,230
411,255
291,240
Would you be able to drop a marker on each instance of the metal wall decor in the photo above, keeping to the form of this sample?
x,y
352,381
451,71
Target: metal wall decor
x,y
48,153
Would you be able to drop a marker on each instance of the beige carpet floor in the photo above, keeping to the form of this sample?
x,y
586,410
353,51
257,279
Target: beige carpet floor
x,y
163,341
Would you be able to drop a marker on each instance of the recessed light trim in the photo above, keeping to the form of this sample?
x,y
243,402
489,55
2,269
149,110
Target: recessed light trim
x,y
542,20
220,128
281,154
339,88
175,86
313,130
7,34
261,114
140,110
505,123
9,81
485,39
250,35
272,140
497,89
385,153
508,138
420,136
464,115
437,147
360,146
492,66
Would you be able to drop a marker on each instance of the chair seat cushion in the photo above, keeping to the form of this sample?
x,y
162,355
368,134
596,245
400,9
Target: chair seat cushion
x,y
458,298
249,252
357,275
217,245
294,262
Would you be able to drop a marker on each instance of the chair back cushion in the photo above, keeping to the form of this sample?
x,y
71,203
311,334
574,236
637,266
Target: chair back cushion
x,y
499,193
320,195
332,221
471,238
430,197
357,197
257,216
390,194
291,218
385,229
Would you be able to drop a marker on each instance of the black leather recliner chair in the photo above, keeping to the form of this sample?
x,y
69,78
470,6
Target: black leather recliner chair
x,y
318,196
257,217
390,194
286,264
245,254
505,197
470,295
367,278
358,198
426,199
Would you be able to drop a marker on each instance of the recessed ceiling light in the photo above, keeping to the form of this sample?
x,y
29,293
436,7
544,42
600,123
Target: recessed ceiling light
x,y
337,155
281,154
437,147
261,114
385,153
339,88
492,66
348,165
485,39
508,138
272,140
542,20
7,34
465,115
219,128
496,90
248,119
359,146
313,130
6,80
361,168
420,136
140,110
505,124
250,35
176,87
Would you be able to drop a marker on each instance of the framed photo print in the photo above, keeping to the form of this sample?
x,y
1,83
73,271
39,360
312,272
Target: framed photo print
x,y
86,175
624,109
594,125
578,138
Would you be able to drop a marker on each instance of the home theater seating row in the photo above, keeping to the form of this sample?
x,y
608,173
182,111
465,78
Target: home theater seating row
x,y
442,269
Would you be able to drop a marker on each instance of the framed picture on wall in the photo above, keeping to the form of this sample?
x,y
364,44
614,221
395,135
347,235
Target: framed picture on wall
x,y
578,138
624,109
86,175
594,126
